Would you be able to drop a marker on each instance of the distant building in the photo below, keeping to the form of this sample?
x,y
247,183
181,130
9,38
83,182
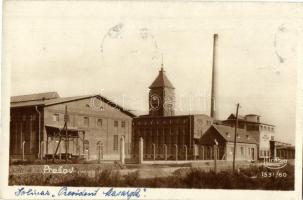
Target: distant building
x,y
94,127
262,132
281,150
246,146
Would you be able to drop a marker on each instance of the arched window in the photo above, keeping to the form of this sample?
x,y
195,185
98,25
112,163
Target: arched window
x,y
86,146
100,150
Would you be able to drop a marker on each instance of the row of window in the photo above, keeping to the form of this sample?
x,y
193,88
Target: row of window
x,y
24,117
238,136
161,121
86,121
264,153
267,128
244,151
255,127
166,131
99,144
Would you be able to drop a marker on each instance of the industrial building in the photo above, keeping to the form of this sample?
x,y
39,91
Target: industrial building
x,y
263,133
94,127
246,146
167,136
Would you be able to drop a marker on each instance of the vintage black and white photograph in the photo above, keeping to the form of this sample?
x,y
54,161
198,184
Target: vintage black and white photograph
x,y
149,94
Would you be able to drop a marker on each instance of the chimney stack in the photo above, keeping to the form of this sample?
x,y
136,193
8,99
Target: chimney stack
x,y
213,78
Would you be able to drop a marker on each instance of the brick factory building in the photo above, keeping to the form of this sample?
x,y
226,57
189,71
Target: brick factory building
x,y
166,135
95,126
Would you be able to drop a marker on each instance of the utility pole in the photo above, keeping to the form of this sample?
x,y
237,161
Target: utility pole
x,y
66,134
215,155
235,138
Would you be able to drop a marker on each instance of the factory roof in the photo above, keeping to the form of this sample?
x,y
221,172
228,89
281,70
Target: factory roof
x,y
52,98
227,133
34,97
242,118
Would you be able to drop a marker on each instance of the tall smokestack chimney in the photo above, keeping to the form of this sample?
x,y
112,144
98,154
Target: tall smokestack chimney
x,y
213,78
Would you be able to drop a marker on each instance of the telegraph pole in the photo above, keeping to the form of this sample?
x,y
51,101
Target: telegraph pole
x,y
66,134
235,138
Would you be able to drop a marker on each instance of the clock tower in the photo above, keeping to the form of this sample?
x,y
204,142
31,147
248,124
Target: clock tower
x,y
161,96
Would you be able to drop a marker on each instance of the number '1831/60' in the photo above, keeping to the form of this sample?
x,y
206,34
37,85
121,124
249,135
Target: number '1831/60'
x,y
274,174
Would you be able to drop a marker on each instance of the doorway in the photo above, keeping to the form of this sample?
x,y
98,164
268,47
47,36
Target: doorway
x,y
100,150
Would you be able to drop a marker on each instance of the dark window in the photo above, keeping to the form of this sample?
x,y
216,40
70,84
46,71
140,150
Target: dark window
x,y
86,121
99,122
123,124
115,142
115,123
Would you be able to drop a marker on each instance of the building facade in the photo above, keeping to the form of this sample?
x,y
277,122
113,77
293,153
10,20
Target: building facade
x,y
170,137
281,150
94,127
262,132
220,138
167,136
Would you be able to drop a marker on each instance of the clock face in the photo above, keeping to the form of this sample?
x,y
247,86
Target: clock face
x,y
169,100
154,102
96,104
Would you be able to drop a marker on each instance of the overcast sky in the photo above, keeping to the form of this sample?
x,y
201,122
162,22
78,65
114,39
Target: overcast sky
x,y
115,48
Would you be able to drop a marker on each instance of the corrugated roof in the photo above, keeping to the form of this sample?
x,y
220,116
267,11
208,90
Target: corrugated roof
x,y
35,97
161,81
229,134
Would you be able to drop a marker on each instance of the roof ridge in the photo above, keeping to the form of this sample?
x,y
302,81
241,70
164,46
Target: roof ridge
x,y
34,97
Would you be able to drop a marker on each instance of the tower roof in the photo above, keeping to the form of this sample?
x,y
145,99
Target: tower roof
x,y
161,81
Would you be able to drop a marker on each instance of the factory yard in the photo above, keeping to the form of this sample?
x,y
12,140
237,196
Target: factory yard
x,y
197,175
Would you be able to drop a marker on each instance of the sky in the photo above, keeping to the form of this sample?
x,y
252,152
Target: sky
x,y
116,49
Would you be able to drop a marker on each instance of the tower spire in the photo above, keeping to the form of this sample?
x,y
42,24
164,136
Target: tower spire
x,y
162,66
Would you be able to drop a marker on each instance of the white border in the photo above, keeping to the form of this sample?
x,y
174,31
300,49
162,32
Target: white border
x,y
7,192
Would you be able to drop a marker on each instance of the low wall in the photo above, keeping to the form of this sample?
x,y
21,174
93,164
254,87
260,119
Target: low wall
x,y
192,162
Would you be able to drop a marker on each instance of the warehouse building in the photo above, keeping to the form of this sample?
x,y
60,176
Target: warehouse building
x,y
94,128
